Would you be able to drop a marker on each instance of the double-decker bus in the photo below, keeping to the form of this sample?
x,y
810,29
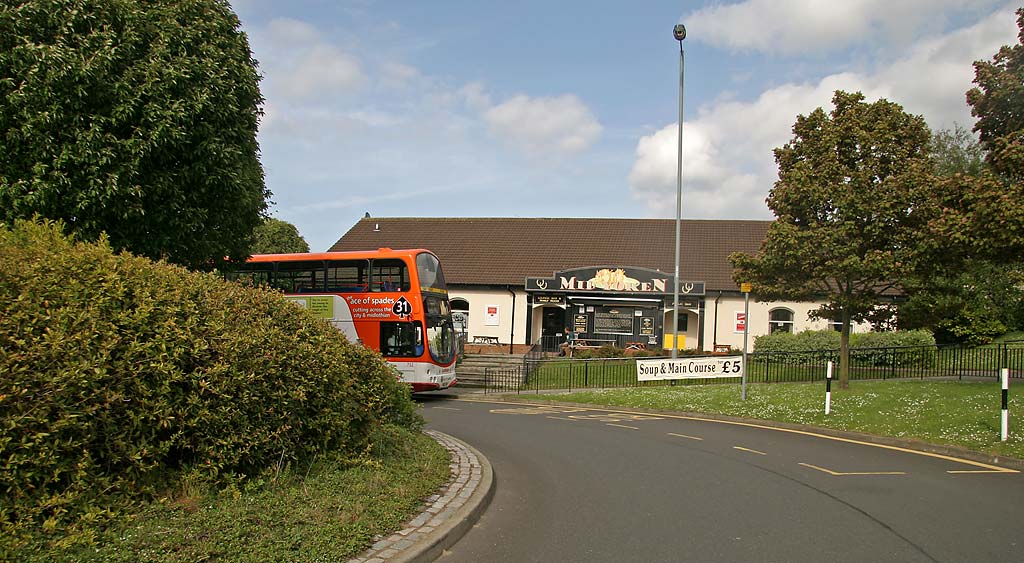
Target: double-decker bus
x,y
392,301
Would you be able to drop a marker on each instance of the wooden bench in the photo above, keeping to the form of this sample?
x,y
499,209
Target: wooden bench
x,y
485,340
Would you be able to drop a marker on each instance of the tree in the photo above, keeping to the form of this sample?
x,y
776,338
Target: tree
x,y
974,299
998,103
136,118
956,151
847,207
987,213
275,236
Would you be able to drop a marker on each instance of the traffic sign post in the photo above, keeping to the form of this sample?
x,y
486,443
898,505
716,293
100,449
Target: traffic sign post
x,y
745,288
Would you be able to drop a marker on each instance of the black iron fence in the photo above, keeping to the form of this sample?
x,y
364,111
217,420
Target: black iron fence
x,y
538,373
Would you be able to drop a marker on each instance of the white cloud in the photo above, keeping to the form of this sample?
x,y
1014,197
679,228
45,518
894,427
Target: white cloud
x,y
538,125
795,26
727,150
300,65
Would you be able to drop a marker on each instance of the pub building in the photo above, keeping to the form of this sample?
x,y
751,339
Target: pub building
x,y
525,281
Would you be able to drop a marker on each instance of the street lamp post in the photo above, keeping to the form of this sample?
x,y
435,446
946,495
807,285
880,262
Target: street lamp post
x,y
679,32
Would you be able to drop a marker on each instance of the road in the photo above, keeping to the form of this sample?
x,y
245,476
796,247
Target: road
x,y
577,484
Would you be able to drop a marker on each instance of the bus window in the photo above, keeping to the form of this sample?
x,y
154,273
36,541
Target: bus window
x,y
300,277
389,275
401,339
253,276
440,331
429,270
348,276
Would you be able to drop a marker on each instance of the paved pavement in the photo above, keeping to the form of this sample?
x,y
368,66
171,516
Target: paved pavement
x,y
447,515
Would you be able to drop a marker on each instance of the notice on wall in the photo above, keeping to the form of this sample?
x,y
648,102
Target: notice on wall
x,y
647,326
614,321
491,315
741,322
579,323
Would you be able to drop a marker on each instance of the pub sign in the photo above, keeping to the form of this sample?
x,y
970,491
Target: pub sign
x,y
612,279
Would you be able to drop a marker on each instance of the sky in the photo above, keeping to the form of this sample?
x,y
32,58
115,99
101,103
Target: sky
x,y
472,108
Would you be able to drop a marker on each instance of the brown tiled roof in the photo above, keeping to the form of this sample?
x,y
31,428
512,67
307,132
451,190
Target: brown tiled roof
x,y
505,251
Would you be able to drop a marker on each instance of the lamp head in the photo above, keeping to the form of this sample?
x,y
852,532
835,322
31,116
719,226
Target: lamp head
x,y
679,32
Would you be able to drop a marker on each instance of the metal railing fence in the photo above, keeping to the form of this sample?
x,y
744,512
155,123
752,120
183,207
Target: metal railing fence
x,y
538,373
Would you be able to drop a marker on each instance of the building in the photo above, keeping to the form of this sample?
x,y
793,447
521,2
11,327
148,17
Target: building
x,y
516,280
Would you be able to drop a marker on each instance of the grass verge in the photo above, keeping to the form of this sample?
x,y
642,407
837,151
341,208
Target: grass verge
x,y
329,511
955,413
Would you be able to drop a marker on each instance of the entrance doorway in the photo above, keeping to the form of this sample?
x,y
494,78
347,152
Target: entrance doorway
x,y
554,321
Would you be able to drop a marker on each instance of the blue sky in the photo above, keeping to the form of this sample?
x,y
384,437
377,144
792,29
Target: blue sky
x,y
569,108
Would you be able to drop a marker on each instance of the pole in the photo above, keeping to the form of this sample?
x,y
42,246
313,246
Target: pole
x,y
1005,427
828,388
679,197
746,328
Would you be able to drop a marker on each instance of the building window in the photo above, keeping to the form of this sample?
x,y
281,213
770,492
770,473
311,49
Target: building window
x,y
836,324
780,320
684,323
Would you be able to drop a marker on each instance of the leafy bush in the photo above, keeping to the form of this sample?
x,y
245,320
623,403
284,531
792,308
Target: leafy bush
x,y
121,375
866,348
896,339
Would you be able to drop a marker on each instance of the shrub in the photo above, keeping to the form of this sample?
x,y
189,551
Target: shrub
x,y
866,348
121,374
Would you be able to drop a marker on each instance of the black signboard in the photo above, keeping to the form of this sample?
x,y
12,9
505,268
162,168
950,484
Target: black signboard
x,y
614,320
646,326
549,299
579,323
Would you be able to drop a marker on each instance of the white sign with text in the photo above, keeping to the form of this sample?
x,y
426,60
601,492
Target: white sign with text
x,y
689,368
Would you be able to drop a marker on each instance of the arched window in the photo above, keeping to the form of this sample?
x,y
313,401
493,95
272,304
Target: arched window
x,y
780,320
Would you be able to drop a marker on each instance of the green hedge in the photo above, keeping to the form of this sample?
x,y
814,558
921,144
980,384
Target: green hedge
x,y
121,375
899,348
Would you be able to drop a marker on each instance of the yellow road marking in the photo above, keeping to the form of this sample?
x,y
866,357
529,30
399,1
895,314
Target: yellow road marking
x,y
563,418
533,409
748,450
446,408
981,471
990,468
684,436
623,426
845,473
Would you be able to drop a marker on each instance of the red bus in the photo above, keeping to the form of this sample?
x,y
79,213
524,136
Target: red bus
x,y
392,301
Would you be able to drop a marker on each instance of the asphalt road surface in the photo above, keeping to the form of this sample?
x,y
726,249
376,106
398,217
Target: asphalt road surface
x,y
578,484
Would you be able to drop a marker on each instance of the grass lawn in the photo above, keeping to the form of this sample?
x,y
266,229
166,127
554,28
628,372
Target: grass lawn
x,y
327,512
957,413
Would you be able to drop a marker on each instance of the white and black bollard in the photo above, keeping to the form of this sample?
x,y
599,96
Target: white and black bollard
x,y
828,389
1005,427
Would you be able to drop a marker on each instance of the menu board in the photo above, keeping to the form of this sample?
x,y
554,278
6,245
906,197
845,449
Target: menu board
x,y
614,320
579,323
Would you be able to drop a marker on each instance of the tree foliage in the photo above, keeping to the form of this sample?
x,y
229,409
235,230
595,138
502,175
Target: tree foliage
x,y
275,236
956,151
969,289
962,296
848,208
998,103
985,215
136,118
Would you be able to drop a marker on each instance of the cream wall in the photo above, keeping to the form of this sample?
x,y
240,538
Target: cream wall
x,y
729,306
478,302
